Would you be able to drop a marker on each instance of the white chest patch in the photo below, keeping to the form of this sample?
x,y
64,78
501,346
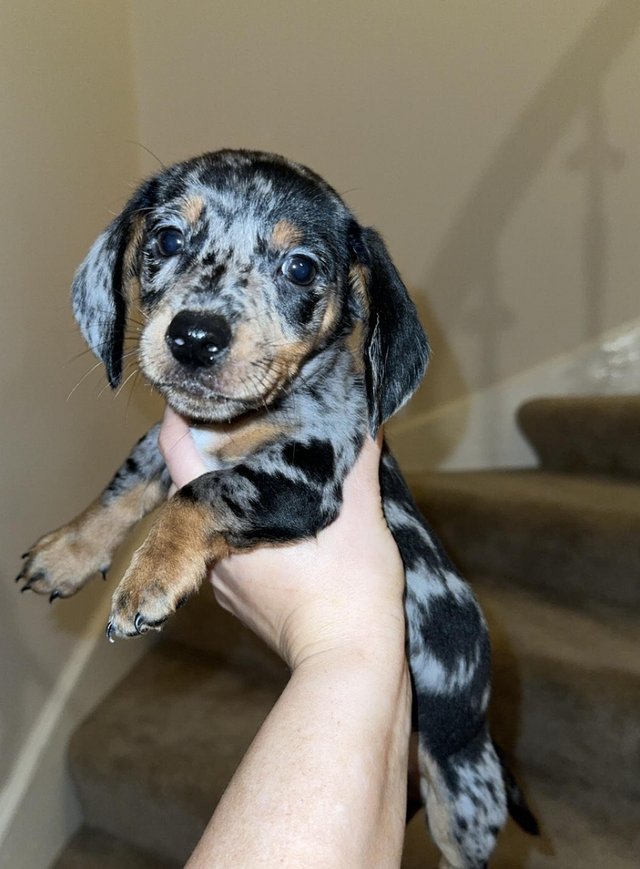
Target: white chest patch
x,y
209,443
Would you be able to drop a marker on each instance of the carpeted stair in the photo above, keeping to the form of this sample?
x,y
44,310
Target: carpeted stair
x,y
554,555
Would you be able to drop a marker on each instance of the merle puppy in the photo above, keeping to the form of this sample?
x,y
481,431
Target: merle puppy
x,y
280,327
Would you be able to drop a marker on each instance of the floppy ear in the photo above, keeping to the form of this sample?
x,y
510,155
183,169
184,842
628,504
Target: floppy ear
x,y
396,350
99,289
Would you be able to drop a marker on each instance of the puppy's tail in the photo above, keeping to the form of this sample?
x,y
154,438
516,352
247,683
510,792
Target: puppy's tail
x,y
516,802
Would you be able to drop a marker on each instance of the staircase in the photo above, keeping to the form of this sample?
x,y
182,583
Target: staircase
x,y
554,555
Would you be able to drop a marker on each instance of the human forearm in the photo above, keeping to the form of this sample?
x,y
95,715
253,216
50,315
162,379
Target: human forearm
x,y
323,785
324,781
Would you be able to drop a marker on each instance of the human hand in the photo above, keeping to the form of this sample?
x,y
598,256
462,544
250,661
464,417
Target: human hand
x,y
339,592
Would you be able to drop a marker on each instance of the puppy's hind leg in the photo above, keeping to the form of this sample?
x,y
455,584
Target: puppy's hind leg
x,y
465,803
61,562
450,662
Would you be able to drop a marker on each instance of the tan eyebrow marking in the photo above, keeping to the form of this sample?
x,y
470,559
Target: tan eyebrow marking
x,y
192,208
285,234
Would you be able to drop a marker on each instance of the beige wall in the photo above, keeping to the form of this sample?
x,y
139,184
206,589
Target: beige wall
x,y
67,115
495,144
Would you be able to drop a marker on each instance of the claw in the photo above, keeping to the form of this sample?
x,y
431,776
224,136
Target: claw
x,y
20,576
139,624
25,554
103,571
109,632
54,595
26,587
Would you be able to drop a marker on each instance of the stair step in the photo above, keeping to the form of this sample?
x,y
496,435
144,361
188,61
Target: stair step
x,y
585,434
574,538
578,831
93,849
152,761
566,691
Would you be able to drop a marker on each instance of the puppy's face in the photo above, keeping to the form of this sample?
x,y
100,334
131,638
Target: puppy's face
x,y
245,266
241,271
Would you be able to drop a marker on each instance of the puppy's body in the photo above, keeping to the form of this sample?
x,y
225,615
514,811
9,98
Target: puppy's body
x,y
281,328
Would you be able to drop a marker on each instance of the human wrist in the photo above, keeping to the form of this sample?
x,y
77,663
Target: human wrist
x,y
355,670
347,633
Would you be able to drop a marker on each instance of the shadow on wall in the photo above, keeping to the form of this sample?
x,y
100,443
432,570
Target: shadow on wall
x,y
466,268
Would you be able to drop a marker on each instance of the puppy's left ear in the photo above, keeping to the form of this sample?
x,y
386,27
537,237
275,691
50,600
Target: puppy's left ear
x,y
100,286
396,350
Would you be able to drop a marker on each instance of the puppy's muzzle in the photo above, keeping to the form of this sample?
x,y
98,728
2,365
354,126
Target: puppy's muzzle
x,y
196,339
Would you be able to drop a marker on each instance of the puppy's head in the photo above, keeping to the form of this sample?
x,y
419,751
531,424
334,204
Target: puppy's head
x,y
245,265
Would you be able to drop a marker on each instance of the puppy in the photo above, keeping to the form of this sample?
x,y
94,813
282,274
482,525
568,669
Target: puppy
x,y
280,327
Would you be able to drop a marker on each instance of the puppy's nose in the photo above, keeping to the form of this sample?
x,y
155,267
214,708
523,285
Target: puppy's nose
x,y
197,339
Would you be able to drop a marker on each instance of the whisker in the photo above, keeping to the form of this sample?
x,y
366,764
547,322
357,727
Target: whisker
x,y
125,381
148,150
131,391
84,377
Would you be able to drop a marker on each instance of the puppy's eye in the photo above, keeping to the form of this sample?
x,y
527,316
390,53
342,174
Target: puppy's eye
x,y
299,269
170,242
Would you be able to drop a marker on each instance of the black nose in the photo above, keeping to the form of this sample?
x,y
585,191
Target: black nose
x,y
196,339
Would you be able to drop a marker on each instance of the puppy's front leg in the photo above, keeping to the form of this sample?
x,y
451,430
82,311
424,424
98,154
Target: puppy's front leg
x,y
61,562
218,514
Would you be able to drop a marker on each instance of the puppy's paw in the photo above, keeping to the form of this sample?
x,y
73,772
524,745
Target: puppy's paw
x,y
168,568
61,562
153,587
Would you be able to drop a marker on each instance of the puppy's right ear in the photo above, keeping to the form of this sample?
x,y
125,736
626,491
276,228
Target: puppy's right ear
x,y
100,286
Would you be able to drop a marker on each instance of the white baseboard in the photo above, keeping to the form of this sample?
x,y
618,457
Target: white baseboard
x,y
479,430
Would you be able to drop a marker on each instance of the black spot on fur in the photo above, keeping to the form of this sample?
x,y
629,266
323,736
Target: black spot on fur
x,y
304,308
210,280
315,459
235,508
410,543
284,510
201,234
395,489
189,493
457,636
453,726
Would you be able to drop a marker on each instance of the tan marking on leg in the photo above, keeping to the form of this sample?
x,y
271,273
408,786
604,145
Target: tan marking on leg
x,y
285,234
168,567
434,795
191,208
63,560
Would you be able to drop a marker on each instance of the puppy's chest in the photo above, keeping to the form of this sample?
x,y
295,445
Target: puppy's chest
x,y
223,447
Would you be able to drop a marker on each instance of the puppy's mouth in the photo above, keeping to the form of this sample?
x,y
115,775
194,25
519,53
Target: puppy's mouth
x,y
213,383
208,397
